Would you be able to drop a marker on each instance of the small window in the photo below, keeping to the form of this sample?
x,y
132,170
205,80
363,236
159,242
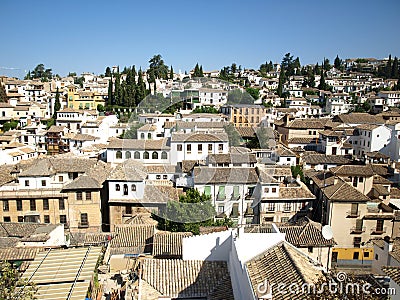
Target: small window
x,y
154,155
376,257
356,255
189,148
274,190
6,206
117,187
220,147
32,204
63,219
118,155
361,179
61,204
146,155
366,254
19,205
45,204
210,148
127,154
133,187
128,210
163,155
88,195
46,218
158,177
266,190
60,178
125,189
310,249
7,219
200,148
78,195
165,177
179,147
26,182
43,182
136,155
20,219
84,219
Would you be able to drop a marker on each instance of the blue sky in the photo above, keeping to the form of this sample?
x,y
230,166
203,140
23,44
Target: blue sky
x,y
86,36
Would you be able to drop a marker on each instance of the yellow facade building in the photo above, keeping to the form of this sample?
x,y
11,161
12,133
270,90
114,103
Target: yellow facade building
x,y
84,99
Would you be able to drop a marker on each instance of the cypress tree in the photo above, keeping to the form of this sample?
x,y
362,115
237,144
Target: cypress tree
x,y
117,89
395,68
57,104
201,74
171,73
281,82
388,70
110,93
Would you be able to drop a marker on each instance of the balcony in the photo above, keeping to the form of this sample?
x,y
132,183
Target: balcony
x,y
235,197
357,230
353,214
378,231
83,224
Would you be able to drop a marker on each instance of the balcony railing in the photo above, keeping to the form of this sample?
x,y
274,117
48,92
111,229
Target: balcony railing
x,y
357,230
353,214
83,224
378,230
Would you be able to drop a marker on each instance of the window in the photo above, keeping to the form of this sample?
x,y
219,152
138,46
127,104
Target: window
x,y
269,219
142,135
189,148
284,220
78,195
360,179
19,205
221,209
271,207
158,177
7,219
355,183
274,190
376,257
164,155
210,148
165,177
26,182
145,155
63,219
6,206
207,190
154,155
118,155
179,147
20,219
117,187
84,219
200,148
310,249
45,204
61,204
356,255
220,147
128,210
287,207
43,182
46,219
125,189
32,204
366,254
127,154
60,178
357,242
136,155
379,225
354,209
88,195
266,190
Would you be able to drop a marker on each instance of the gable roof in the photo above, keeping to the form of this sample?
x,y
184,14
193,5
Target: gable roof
x,y
353,170
131,239
344,192
169,243
83,182
359,118
281,264
204,175
190,278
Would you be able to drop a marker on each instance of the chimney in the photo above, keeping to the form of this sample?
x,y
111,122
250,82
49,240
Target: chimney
x,y
388,244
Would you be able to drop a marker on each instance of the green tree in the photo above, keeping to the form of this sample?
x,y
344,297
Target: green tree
x,y
205,110
40,72
108,72
388,69
110,93
57,103
157,68
255,93
395,68
337,63
12,286
193,211
131,133
233,135
322,84
10,125
100,108
79,81
282,79
171,73
28,75
117,89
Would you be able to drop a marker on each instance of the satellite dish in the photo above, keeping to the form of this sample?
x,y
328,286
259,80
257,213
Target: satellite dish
x,y
327,232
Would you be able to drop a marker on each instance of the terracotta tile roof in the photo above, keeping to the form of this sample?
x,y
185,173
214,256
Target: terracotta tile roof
x,y
129,170
188,278
353,170
55,128
376,154
84,137
298,192
188,125
13,254
204,175
359,118
316,159
188,165
281,264
232,158
211,229
246,132
83,182
306,124
132,239
169,243
381,170
169,125
394,193
378,179
148,127
368,127
160,194
344,192
5,174
381,190
393,273
159,169
199,137
302,140
138,144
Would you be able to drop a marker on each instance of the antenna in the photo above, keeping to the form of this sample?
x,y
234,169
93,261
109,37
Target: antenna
x,y
327,232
